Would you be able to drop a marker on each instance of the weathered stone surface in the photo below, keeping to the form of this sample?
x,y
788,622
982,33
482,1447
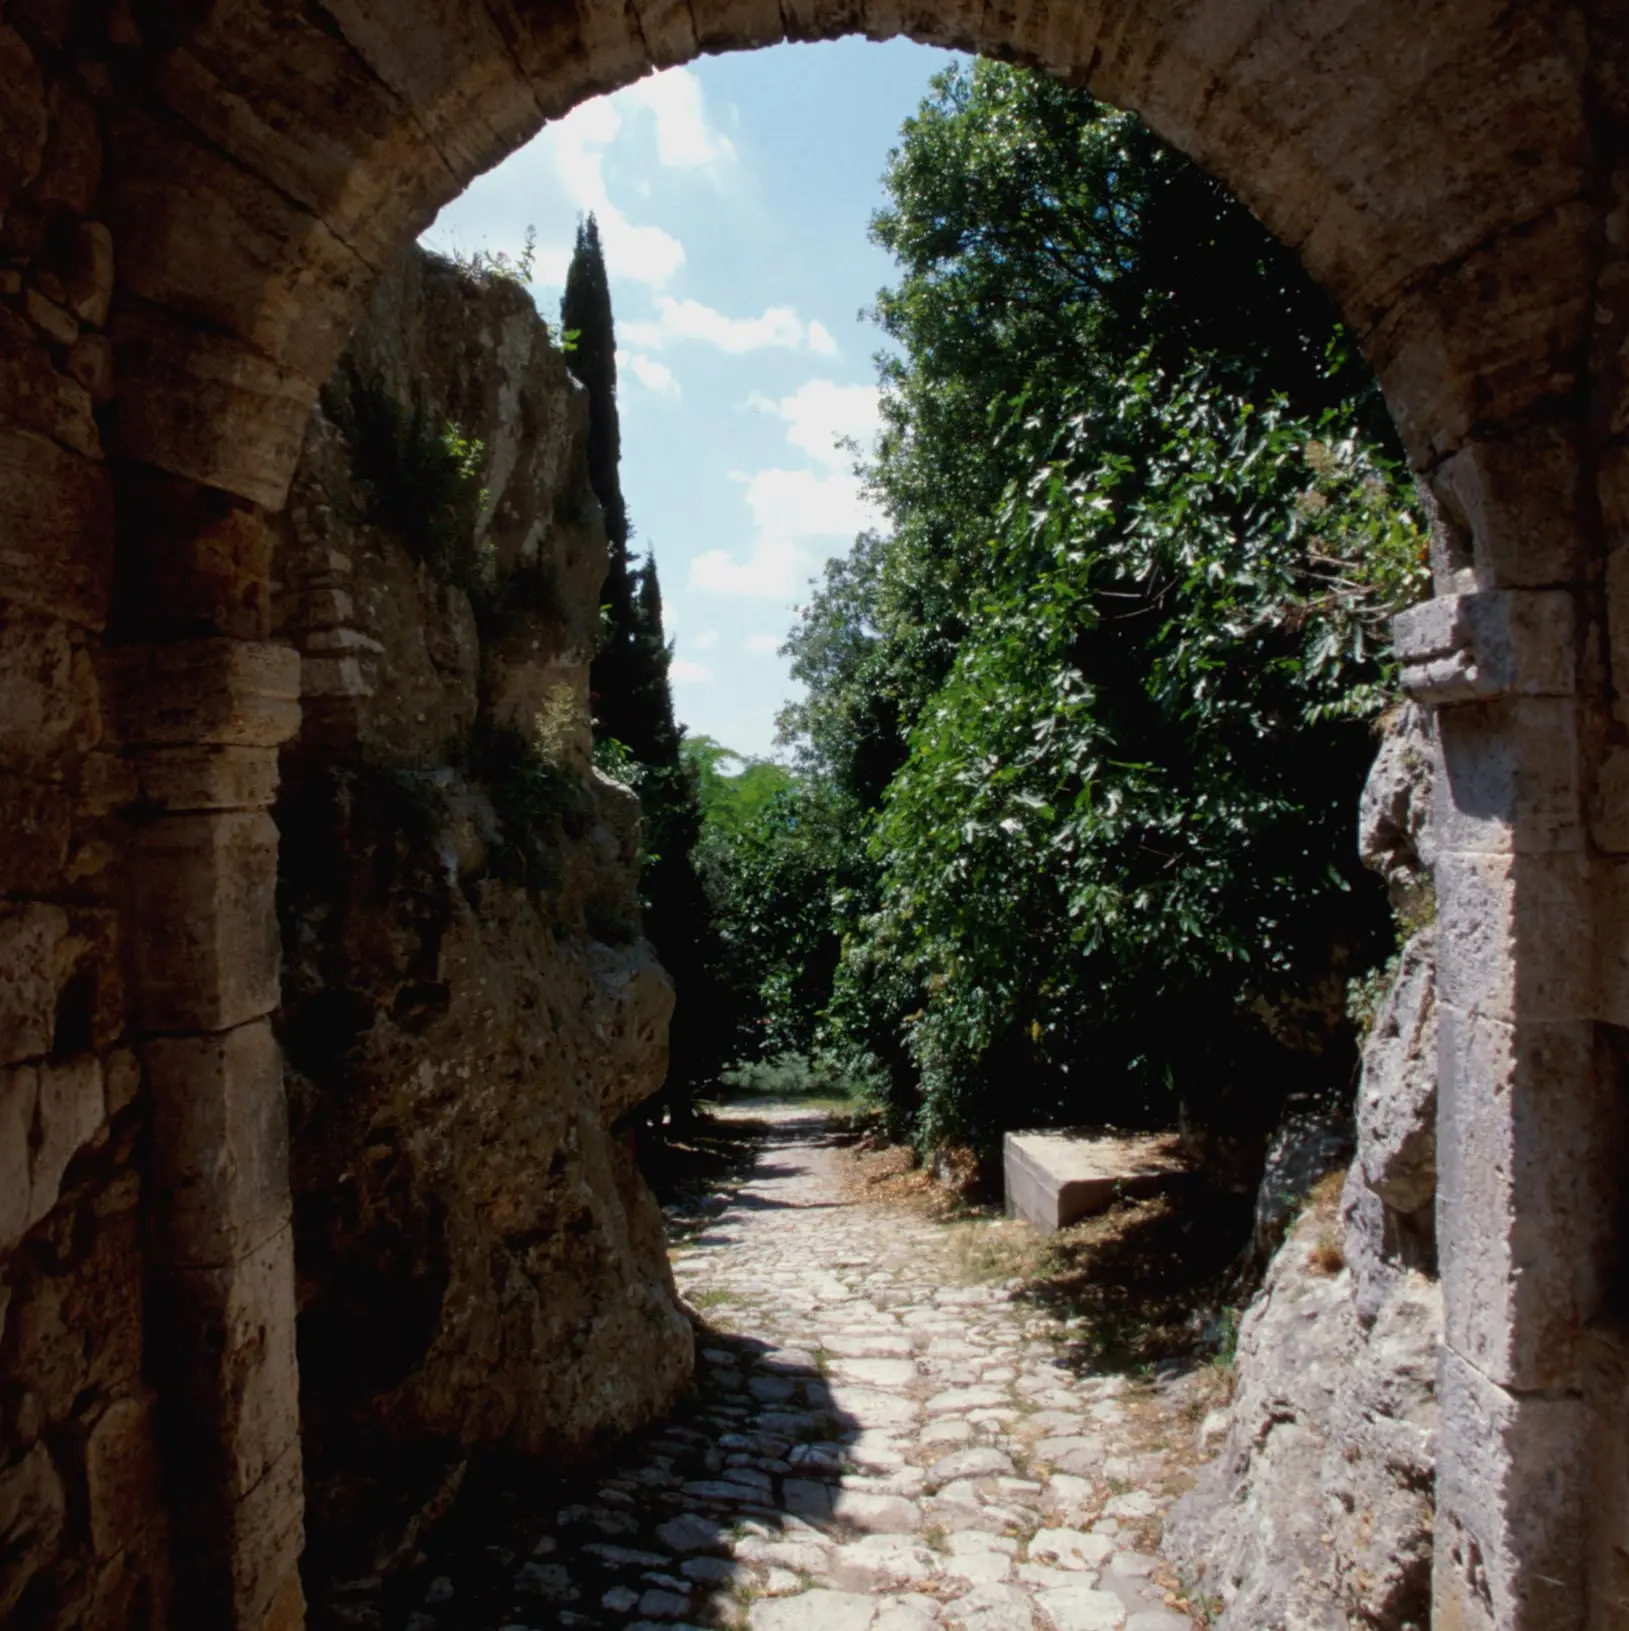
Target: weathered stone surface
x,y
220,1144
24,123
32,1509
90,273
990,1608
195,562
238,693
72,166
207,949
1310,1142
468,1007
820,1610
1528,1197
1397,1098
230,1348
1498,1562
121,1472
56,528
1054,1179
209,778
32,954
205,405
19,1093
245,1570
55,322
70,1111
1510,775
1071,1549
1322,1415
1395,836
1081,1608
1491,489
1318,1510
1496,643
37,820
79,1271
878,1514
985,1461
90,362
1457,198
199,232
34,396
1508,940
37,701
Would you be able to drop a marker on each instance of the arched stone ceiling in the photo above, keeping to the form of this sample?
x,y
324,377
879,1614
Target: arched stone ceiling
x,y
1434,162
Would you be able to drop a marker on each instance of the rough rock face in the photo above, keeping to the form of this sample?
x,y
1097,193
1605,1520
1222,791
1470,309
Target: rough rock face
x,y
468,1007
1336,1364
84,1536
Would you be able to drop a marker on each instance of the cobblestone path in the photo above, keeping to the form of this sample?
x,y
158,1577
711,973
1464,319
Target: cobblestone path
x,y
875,1445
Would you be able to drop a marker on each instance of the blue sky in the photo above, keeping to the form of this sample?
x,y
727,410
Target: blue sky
x,y
733,197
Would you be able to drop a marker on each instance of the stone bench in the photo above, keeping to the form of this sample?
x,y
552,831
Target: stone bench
x,y
1055,1178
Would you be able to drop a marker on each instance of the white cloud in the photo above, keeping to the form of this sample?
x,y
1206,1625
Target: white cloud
x,y
820,416
821,340
706,640
683,672
777,328
799,516
643,254
772,570
763,645
653,375
621,139
791,509
685,140
804,504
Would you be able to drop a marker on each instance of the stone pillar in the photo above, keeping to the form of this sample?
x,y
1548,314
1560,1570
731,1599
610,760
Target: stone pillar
x,y
1531,1135
201,720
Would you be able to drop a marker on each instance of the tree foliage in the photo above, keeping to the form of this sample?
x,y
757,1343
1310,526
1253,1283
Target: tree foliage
x,y
585,309
637,737
1083,734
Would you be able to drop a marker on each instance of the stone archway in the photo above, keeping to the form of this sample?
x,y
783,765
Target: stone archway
x,y
196,200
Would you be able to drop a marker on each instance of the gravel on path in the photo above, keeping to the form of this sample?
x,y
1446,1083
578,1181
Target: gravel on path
x,y
874,1444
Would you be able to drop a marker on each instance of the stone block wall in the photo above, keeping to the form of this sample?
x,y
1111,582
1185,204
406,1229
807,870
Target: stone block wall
x,y
239,174
82,1533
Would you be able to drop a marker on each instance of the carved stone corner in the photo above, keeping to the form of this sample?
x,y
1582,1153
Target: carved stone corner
x,y
1484,646
232,693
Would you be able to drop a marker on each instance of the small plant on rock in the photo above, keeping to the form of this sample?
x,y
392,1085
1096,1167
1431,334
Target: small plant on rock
x,y
423,481
538,802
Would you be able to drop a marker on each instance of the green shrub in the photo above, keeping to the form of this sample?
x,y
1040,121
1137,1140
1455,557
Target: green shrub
x,y
423,481
539,803
793,1076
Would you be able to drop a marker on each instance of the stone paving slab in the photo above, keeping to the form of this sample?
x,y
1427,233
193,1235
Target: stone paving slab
x,y
872,1446
1054,1179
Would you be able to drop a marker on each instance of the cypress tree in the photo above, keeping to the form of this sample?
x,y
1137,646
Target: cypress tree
x,y
633,705
585,309
678,915
656,739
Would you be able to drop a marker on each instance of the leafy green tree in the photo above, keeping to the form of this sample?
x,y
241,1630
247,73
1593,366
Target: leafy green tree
x,y
1044,242
773,854
1118,860
1094,709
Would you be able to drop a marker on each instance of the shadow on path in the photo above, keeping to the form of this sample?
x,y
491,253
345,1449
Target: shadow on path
x,y
643,1532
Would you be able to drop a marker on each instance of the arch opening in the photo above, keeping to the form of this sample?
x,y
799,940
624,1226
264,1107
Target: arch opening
x,y
195,210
